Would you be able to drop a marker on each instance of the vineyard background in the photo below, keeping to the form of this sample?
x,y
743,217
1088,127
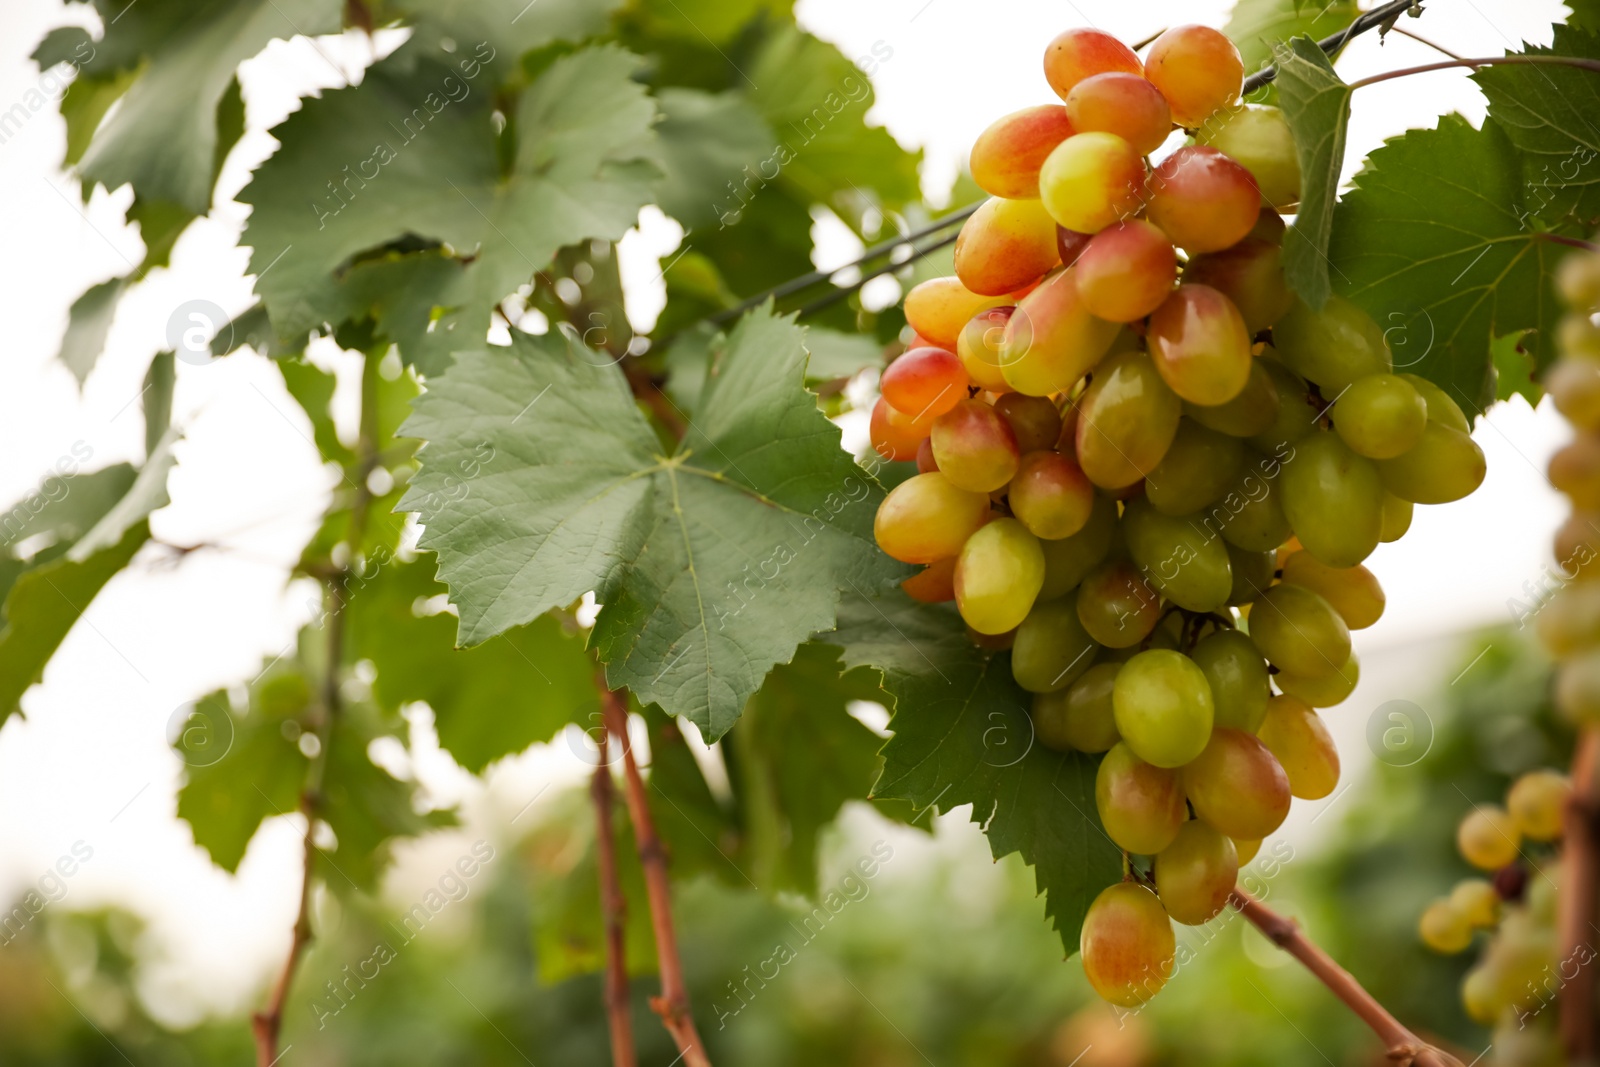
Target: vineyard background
x,y
92,763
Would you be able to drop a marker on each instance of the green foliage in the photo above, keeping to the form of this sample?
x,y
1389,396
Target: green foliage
x,y
963,735
88,323
1258,27
712,562
1316,103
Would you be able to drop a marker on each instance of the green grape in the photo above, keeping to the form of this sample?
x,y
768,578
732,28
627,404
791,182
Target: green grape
x,y
1196,873
1249,515
1295,415
1570,620
1199,467
1332,347
1396,518
1488,838
974,447
1298,631
1068,559
1237,786
1117,605
1034,420
1128,947
1178,557
1443,928
1299,739
1476,901
1334,500
998,575
1326,690
1578,688
1578,335
1574,386
1441,408
925,519
1446,465
1238,678
1051,648
1079,717
1537,802
1199,343
1140,805
1050,495
1251,275
1252,574
1380,416
1163,707
1127,419
1481,995
1259,138
1253,411
1354,592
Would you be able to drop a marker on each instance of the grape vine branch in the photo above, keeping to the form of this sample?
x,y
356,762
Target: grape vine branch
x,y
613,909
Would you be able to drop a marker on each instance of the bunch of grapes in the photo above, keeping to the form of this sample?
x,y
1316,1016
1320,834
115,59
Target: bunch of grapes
x,y
1131,438
1518,975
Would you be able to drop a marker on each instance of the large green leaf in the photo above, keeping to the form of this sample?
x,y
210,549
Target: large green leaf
x,y
713,563
1431,242
963,735
88,323
707,140
489,701
1316,103
1259,26
406,160
1550,113
163,137
505,28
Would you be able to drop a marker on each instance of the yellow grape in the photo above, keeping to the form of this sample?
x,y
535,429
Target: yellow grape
x,y
974,447
1441,407
1249,273
1117,605
1578,688
1237,674
1163,707
1476,901
1052,340
1198,70
1300,740
1200,346
998,575
1446,465
1252,574
1051,649
1259,138
1537,802
978,347
1253,411
1299,631
1574,386
1006,157
1481,995
1180,559
1325,690
1237,785
934,584
1380,416
1396,518
1334,500
1332,347
938,309
1004,246
1575,470
1128,947
1200,466
1354,592
1443,928
925,519
1127,419
1140,805
1247,848
1067,560
1578,281
1570,620
1196,873
1488,838
1122,103
1092,180
1079,717
1050,495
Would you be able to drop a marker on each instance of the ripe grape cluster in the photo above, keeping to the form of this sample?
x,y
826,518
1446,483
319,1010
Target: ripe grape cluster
x,y
1518,974
1130,437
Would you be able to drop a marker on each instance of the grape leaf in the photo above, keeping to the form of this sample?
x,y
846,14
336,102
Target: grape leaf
x,y
163,137
707,140
489,701
713,563
1514,370
1431,242
1549,112
155,399
1316,103
1257,27
714,21
835,354
512,26
407,156
65,507
963,735
88,323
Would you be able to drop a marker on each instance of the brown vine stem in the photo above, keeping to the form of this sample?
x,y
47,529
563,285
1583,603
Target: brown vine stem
x,y
614,909
673,1003
267,1024
1405,1048
1486,61
1576,902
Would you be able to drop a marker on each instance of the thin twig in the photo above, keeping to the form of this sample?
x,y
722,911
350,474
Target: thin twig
x,y
1378,16
1405,1048
1572,242
1486,61
1441,49
613,909
673,1003
1580,881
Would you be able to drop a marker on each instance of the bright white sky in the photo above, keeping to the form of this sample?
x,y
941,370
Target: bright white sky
x,y
91,760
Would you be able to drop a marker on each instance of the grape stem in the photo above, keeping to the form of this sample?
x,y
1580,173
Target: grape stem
x,y
613,907
673,1003
266,1024
1486,61
1576,902
1405,1048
